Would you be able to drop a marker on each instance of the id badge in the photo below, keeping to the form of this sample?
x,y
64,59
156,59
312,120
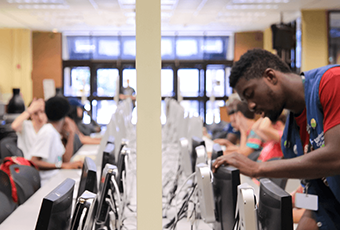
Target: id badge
x,y
307,201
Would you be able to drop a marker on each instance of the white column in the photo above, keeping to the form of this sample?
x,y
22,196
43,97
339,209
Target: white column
x,y
149,136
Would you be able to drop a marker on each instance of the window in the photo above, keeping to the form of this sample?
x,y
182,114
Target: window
x,y
107,82
194,68
131,75
189,82
167,82
213,112
103,110
215,80
334,37
77,81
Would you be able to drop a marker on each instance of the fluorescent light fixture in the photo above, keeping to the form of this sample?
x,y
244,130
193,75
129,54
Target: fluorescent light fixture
x,y
36,1
258,1
42,6
131,4
252,6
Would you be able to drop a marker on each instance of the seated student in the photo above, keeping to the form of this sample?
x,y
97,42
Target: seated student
x,y
48,152
249,141
271,133
28,124
232,133
82,130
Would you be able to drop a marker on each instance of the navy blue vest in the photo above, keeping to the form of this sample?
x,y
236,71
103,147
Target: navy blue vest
x,y
329,195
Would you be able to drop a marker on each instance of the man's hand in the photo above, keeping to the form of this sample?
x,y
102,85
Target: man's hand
x,y
36,105
72,165
70,126
244,164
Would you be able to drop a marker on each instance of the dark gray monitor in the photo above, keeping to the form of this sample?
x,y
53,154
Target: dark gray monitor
x,y
56,208
88,179
275,207
226,180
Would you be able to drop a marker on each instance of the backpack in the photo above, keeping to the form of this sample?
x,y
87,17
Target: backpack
x,y
8,161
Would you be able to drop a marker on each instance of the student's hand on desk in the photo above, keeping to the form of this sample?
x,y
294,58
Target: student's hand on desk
x,y
72,165
243,163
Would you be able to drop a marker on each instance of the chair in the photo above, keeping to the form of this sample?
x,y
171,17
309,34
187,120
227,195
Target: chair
x,y
6,200
254,155
281,182
9,148
26,179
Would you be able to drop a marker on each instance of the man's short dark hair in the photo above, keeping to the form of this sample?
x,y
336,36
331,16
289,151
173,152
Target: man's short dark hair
x,y
56,108
253,63
243,108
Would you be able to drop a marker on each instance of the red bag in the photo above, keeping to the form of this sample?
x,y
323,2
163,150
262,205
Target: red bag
x,y
8,161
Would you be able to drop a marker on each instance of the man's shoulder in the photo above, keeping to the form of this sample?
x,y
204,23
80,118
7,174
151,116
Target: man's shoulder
x,y
47,129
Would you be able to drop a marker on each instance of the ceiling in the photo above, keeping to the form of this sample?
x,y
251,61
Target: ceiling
x,y
178,16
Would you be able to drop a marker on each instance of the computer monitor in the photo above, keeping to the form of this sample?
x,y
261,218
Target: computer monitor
x,y
275,207
195,142
205,192
108,156
185,156
88,179
216,151
226,180
83,215
106,191
111,139
121,167
56,208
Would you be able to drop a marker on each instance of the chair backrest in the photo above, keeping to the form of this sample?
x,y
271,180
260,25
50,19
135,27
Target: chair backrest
x,y
254,155
6,201
9,148
26,179
281,182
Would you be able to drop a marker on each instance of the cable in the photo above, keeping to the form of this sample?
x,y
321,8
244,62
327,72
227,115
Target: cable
x,y
192,175
182,212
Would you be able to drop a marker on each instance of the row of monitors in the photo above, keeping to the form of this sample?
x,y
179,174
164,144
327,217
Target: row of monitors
x,y
275,204
93,204
274,212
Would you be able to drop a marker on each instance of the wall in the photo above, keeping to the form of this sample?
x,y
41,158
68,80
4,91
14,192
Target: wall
x,y
47,60
245,41
314,39
268,40
15,63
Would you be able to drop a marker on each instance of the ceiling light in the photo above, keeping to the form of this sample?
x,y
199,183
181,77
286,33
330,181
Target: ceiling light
x,y
258,1
42,6
252,6
36,1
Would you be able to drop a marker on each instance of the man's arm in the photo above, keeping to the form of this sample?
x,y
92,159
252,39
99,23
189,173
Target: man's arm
x,y
70,128
319,163
43,165
36,105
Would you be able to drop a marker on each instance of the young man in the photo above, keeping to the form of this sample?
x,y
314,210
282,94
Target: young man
x,y
27,130
48,152
311,138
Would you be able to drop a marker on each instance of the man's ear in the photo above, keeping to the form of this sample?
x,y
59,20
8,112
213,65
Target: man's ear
x,y
271,76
